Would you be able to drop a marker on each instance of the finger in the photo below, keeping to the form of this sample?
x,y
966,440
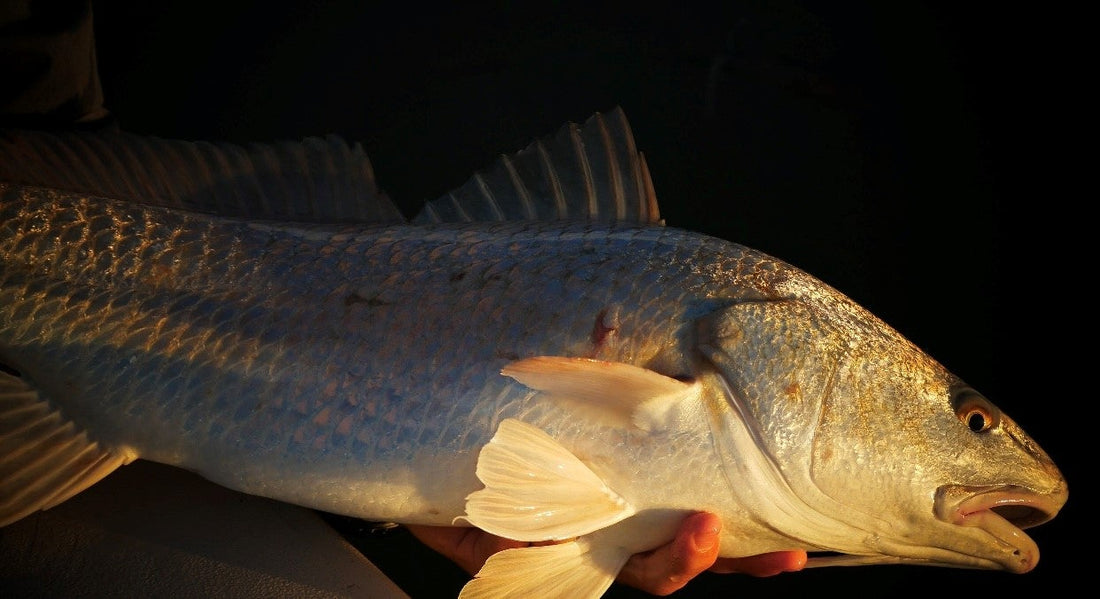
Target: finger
x,y
668,568
765,564
468,547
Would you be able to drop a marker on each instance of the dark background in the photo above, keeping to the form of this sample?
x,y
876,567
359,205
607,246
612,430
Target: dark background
x,y
908,153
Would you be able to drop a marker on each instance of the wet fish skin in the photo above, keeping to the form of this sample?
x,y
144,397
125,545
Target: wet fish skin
x,y
264,340
358,369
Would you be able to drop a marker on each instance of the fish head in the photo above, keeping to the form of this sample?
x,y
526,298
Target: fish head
x,y
859,444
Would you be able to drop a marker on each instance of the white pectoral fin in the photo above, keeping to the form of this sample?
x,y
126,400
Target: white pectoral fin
x,y
619,393
537,490
44,458
576,569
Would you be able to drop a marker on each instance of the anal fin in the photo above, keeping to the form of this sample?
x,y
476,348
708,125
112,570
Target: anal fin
x,y
576,570
44,459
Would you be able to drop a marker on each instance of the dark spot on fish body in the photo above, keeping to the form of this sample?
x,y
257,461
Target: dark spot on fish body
x,y
507,355
793,391
355,298
458,276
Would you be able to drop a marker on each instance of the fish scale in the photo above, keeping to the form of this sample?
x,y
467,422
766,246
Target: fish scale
x,y
277,313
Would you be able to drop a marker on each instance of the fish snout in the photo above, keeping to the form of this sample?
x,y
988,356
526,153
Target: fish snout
x,y
1002,512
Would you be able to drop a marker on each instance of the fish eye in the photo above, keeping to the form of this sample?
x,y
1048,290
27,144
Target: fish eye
x,y
975,411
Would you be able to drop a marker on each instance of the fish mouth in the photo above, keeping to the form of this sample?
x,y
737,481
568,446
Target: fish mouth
x,y
1002,512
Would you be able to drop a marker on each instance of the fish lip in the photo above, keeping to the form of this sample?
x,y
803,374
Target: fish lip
x,y
1003,512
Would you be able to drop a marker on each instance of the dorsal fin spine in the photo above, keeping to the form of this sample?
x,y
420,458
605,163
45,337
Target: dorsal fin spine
x,y
651,208
616,175
489,199
521,189
586,168
464,216
552,180
430,214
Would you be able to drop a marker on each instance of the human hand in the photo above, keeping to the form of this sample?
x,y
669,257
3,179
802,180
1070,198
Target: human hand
x,y
660,571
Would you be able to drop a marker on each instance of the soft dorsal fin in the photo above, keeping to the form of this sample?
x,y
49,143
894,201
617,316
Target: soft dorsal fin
x,y
589,172
315,180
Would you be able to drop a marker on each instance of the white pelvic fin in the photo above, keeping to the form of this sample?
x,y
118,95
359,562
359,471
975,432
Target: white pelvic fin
x,y
574,570
536,490
620,393
44,459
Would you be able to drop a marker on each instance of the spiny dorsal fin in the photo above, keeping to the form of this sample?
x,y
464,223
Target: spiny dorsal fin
x,y
315,180
44,458
589,172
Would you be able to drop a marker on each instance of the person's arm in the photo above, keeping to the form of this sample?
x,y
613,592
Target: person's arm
x,y
661,571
